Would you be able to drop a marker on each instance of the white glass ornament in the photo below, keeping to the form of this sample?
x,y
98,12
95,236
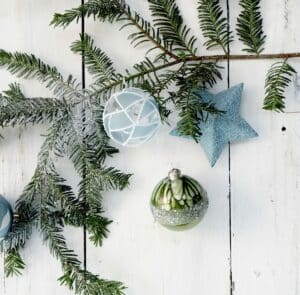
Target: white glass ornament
x,y
131,117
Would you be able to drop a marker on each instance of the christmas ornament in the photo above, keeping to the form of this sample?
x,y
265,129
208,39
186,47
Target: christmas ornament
x,y
218,130
178,201
6,217
131,117
174,60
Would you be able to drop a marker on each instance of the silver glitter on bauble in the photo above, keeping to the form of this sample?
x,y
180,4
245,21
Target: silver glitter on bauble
x,y
178,201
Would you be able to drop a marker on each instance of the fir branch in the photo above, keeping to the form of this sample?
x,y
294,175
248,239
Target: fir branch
x,y
98,63
47,191
16,239
250,26
28,205
53,144
30,67
97,226
196,75
14,92
79,211
21,228
26,218
25,111
278,79
191,109
143,71
88,213
147,76
118,10
26,211
81,156
97,136
155,87
52,234
81,281
13,263
83,143
91,187
88,150
168,20
213,25
105,179
103,10
85,283
146,33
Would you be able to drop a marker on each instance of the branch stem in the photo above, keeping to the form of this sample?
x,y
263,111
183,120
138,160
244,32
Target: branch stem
x,y
215,58
157,44
245,56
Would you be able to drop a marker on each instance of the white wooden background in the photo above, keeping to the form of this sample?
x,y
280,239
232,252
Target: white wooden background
x,y
264,254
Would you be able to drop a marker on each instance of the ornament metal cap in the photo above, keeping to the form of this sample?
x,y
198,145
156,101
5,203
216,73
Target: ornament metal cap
x,y
174,174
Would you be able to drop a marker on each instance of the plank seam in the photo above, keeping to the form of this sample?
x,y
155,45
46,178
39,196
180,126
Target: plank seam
x,y
83,87
231,281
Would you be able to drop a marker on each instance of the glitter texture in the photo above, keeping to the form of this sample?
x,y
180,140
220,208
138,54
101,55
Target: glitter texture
x,y
178,201
180,217
218,130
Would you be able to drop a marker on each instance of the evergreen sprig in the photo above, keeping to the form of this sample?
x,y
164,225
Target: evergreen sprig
x,y
98,63
250,26
191,109
168,20
28,66
118,10
278,79
145,33
82,282
47,203
21,228
51,227
214,25
17,109
172,37
14,264
103,10
14,92
30,110
75,122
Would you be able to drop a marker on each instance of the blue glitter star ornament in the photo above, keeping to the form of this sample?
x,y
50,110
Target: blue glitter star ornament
x,y
218,130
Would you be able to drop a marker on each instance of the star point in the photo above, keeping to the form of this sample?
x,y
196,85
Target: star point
x,y
218,130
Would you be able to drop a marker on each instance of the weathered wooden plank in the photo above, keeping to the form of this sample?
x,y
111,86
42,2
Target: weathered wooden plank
x,y
24,27
146,257
265,171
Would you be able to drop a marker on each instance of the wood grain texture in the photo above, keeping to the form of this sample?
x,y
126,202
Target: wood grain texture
x,y
265,177
265,171
24,27
146,257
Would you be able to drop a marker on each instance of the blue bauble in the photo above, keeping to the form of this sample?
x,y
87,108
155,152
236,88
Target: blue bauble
x,y
6,217
131,117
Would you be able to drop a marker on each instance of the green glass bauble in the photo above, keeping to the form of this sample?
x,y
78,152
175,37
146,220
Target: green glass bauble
x,y
178,201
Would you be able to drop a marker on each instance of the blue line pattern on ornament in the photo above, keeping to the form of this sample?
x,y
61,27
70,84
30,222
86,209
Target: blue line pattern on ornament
x,y
131,117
